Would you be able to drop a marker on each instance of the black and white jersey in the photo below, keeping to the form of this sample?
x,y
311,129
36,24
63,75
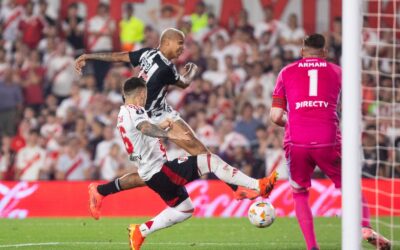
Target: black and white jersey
x,y
158,72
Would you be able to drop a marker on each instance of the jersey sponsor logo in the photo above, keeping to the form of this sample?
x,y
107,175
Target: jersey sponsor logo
x,y
145,65
311,104
134,157
312,64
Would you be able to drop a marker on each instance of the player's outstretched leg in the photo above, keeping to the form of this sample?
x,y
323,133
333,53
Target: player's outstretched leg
x,y
168,217
212,163
196,147
368,234
97,192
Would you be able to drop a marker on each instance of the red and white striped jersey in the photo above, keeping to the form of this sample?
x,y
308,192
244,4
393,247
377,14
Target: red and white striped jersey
x,y
74,168
30,160
147,152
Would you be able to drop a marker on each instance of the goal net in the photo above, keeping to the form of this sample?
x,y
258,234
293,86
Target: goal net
x,y
380,76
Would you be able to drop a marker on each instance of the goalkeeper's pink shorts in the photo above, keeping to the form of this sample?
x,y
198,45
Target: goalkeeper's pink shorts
x,y
301,162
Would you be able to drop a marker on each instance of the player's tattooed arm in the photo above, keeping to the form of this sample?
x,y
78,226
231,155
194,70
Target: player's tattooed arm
x,y
152,130
108,57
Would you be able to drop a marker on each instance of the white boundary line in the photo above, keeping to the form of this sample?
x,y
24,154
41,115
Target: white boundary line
x,y
268,243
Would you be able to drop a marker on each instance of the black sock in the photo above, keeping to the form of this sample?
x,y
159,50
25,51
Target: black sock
x,y
233,187
109,188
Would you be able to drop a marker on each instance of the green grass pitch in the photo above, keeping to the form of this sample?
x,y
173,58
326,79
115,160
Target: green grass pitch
x,y
111,233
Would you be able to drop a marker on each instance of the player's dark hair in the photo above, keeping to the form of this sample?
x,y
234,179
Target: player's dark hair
x,y
133,84
315,41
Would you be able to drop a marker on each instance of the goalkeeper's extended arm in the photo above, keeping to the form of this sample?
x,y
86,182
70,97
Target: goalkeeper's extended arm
x,y
185,79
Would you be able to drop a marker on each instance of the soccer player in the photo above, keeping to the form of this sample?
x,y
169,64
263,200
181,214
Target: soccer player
x,y
305,101
159,72
167,178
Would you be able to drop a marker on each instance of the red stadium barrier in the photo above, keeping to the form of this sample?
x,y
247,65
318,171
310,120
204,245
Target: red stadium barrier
x,y
211,198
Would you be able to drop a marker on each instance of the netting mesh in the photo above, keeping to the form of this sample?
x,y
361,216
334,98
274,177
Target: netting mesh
x,y
380,113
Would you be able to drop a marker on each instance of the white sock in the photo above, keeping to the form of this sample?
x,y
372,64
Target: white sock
x,y
212,163
168,217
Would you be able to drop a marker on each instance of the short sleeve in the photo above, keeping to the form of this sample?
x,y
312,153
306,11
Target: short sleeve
x,y
279,94
171,75
138,115
134,56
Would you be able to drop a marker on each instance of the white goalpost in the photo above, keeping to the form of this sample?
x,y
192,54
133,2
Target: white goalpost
x,y
370,118
351,125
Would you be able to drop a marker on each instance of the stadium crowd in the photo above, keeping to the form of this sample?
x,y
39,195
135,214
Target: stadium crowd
x,y
56,125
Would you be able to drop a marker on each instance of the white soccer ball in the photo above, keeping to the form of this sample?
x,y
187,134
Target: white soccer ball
x,y
261,214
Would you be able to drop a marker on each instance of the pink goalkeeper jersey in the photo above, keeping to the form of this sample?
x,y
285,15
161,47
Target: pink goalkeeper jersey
x,y
309,91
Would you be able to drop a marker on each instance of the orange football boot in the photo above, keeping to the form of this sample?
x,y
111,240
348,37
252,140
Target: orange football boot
x,y
95,200
267,184
135,237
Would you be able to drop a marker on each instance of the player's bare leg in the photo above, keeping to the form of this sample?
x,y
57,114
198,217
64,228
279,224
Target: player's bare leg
x,y
130,180
98,192
196,147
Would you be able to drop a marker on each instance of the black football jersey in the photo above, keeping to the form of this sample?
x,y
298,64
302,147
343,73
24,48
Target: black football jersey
x,y
158,72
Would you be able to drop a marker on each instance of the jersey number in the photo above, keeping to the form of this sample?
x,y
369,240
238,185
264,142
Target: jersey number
x,y
313,76
127,142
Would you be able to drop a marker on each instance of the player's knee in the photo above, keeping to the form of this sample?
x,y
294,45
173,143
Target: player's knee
x,y
208,163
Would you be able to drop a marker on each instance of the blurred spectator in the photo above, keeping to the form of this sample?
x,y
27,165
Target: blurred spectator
x,y
100,30
165,17
73,27
199,17
10,102
30,159
259,84
74,164
269,26
10,15
112,165
220,51
212,74
247,125
151,37
33,75
95,136
60,72
292,36
131,29
212,30
197,58
7,158
334,40
104,146
48,20
243,23
31,27
78,99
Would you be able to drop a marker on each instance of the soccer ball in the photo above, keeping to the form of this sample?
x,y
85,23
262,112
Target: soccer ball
x,y
261,214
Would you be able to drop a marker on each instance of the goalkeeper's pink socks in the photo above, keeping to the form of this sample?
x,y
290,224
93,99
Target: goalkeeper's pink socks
x,y
365,213
305,219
